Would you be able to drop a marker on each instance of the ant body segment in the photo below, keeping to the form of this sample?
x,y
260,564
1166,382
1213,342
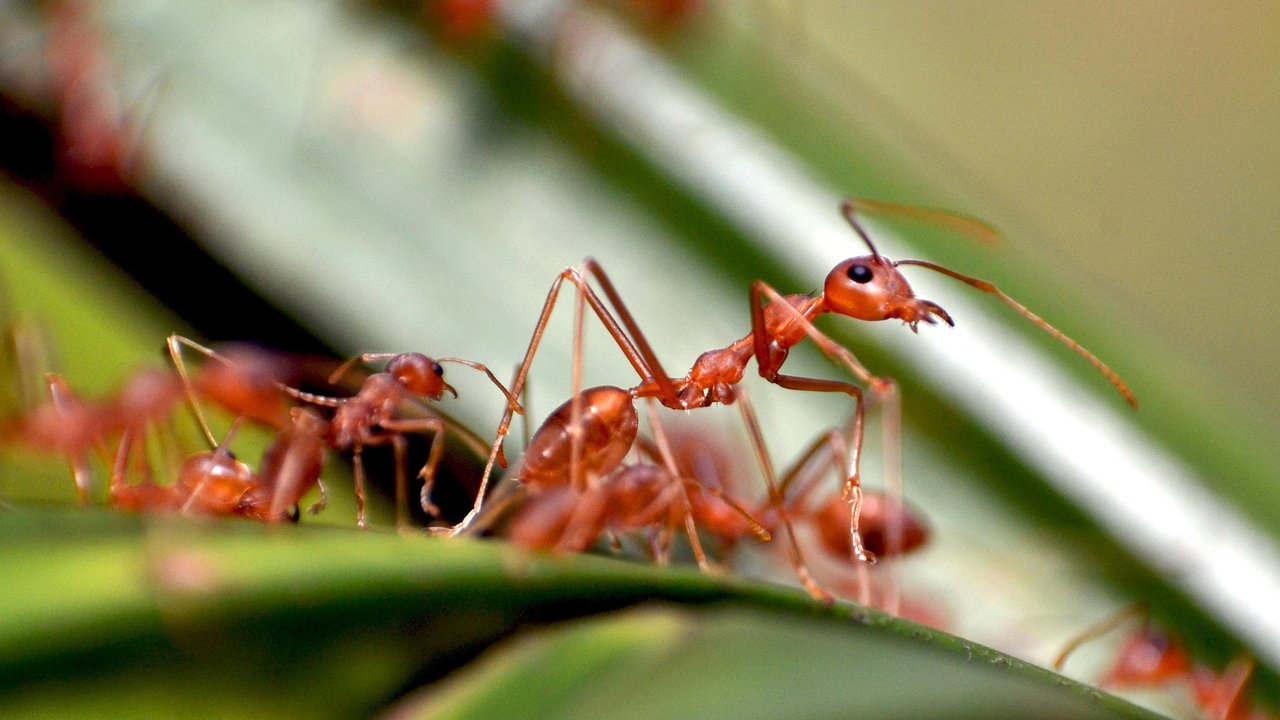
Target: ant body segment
x,y
612,496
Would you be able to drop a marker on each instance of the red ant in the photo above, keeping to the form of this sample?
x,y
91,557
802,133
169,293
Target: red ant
x,y
461,21
794,502
614,496
69,426
1150,657
868,287
96,144
216,483
369,417
248,382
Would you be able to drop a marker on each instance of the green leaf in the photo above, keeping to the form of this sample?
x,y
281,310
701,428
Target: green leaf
x,y
181,618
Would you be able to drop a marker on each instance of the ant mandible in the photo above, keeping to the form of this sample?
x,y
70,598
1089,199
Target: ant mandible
x,y
868,287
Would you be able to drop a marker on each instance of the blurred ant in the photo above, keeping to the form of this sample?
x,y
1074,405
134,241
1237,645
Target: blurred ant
x,y
868,287
796,502
97,143
461,22
249,383
70,426
1150,657
887,527
614,497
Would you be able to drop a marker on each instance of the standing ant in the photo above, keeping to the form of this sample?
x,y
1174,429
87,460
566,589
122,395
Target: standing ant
x,y
368,418
868,287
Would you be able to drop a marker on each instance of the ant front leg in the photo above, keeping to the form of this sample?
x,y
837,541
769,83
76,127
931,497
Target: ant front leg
x,y
764,334
883,389
832,444
428,472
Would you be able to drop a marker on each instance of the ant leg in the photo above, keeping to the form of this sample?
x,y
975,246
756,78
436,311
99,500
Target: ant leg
x,y
635,357
175,343
60,396
853,482
357,465
585,521
832,442
427,474
517,387
1095,631
639,345
120,467
323,502
668,460
402,484
1221,696
576,480
891,422
775,496
884,389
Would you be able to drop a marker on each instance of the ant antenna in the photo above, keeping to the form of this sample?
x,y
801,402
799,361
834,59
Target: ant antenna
x,y
1021,309
849,208
1097,630
963,224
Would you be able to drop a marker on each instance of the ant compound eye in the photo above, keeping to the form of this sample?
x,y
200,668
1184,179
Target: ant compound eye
x,y
860,273
435,368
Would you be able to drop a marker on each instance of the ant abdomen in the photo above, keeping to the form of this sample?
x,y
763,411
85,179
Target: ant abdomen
x,y
607,427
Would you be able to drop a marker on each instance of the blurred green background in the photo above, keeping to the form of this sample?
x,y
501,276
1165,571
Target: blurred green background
x,y
392,181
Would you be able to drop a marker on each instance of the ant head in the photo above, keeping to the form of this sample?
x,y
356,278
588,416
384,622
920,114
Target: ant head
x,y
420,375
870,287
